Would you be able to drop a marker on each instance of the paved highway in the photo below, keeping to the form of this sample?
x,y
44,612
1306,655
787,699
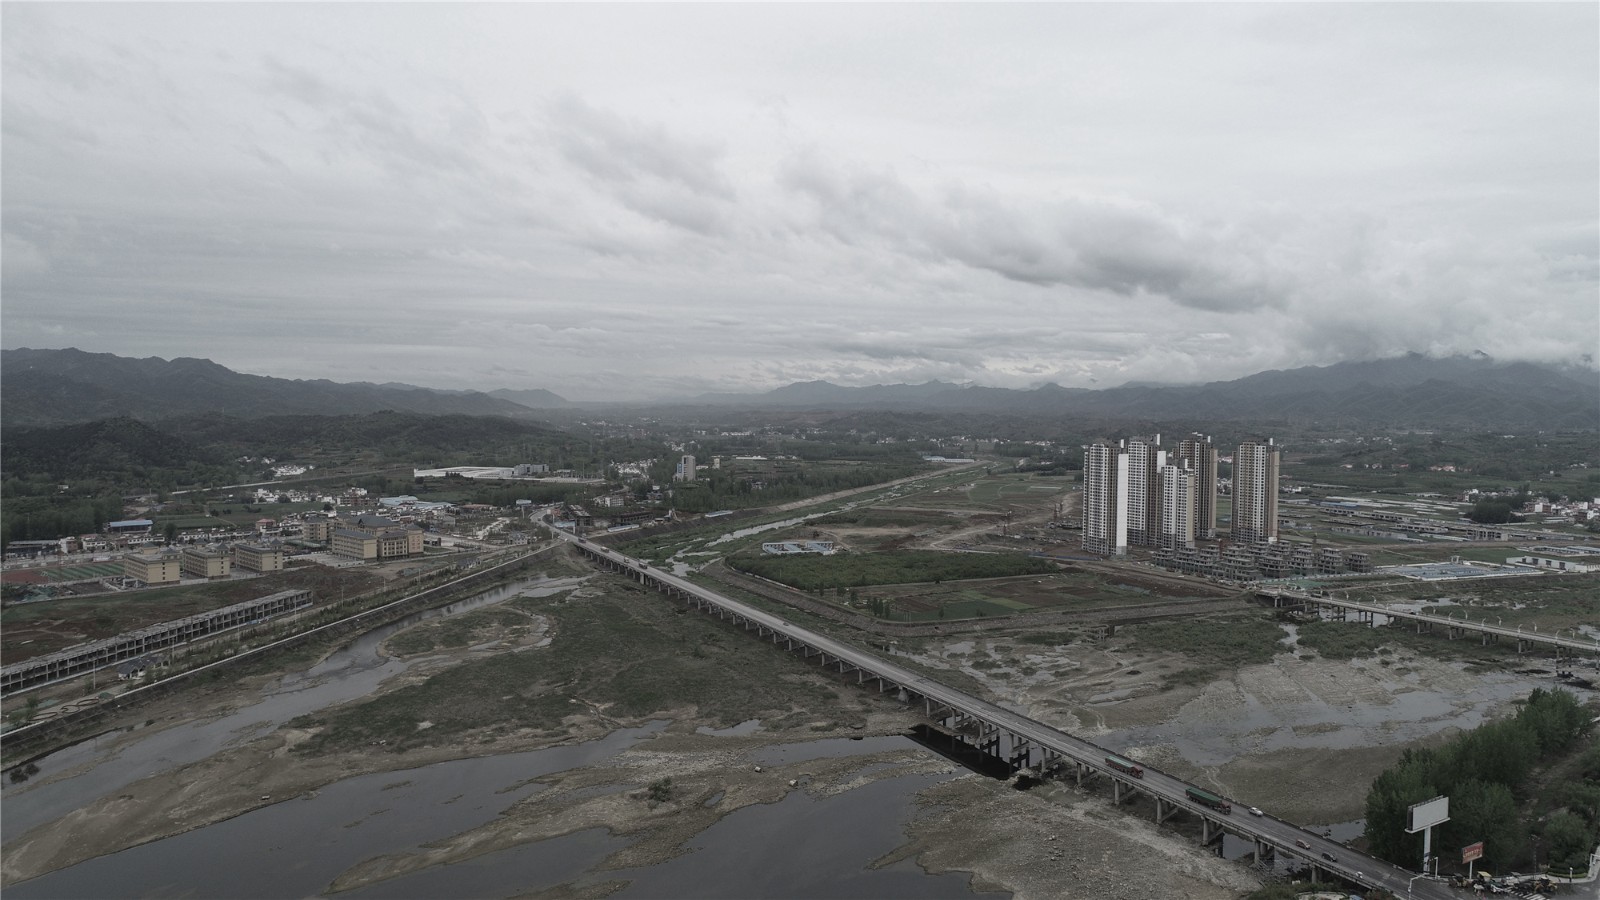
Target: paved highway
x,y
1285,837
1583,645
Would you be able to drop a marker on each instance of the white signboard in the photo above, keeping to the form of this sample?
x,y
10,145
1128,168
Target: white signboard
x,y
1426,814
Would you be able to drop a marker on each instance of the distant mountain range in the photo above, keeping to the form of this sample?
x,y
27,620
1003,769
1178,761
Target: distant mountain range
x,y
1456,391
54,387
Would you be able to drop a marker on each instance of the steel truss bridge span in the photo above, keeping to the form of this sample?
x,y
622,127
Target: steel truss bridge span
x,y
1021,741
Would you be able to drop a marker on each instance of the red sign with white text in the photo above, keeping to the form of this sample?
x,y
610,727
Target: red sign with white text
x,y
1471,852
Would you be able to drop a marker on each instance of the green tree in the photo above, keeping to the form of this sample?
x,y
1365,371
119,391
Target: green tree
x,y
1391,794
172,532
1488,812
1569,841
1490,511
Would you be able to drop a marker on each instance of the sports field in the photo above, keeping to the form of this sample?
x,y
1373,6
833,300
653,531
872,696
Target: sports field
x,y
82,572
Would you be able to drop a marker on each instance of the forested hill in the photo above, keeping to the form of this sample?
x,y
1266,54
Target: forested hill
x,y
130,452
115,451
48,387
1411,391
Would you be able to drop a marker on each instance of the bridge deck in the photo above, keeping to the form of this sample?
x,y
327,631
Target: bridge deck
x,y
1268,831
1529,636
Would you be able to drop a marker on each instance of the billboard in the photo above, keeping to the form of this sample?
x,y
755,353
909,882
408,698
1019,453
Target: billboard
x,y
1427,813
1471,852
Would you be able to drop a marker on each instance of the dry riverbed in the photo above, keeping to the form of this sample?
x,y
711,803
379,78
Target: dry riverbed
x,y
1302,736
1299,734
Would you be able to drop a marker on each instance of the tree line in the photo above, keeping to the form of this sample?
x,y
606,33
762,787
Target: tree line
x,y
1486,774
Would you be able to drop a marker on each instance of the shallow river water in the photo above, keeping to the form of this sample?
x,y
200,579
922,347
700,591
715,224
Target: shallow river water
x,y
801,846
352,672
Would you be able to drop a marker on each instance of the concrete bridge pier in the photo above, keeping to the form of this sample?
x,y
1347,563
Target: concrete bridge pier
x,y
1083,770
989,742
1021,753
1210,832
1263,849
1164,810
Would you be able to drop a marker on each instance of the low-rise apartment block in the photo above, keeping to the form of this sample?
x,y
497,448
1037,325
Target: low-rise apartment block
x,y
390,543
258,557
205,562
152,568
317,530
354,543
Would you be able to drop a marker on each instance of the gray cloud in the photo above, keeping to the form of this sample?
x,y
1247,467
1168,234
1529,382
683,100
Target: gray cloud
x,y
1123,249
1100,193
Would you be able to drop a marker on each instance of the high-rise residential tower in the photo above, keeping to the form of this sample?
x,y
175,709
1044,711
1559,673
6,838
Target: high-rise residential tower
x,y
1105,499
1145,459
1255,493
1200,454
1179,505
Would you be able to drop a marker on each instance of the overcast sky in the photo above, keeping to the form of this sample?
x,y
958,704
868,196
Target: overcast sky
x,y
651,201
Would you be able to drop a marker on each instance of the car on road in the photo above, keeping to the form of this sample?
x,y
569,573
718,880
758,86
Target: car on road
x,y
1256,812
1329,856
1302,844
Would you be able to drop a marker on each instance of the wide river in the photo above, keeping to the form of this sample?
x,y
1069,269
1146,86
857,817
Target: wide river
x,y
801,846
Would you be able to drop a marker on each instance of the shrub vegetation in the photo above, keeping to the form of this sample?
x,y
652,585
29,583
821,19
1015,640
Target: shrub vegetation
x,y
845,570
1486,772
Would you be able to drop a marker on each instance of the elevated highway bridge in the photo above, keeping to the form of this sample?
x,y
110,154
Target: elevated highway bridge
x,y
1021,741
1562,641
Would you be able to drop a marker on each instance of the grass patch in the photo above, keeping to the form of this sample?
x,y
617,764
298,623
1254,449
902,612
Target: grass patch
x,y
1353,640
844,570
870,517
1342,640
1549,601
465,630
1211,645
625,653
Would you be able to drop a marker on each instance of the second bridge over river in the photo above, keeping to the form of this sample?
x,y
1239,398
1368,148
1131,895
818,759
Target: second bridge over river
x,y
1020,741
1562,642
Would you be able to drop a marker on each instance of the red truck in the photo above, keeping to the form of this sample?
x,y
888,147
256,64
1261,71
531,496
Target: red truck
x,y
1123,765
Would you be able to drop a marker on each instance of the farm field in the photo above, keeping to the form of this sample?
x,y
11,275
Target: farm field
x,y
999,493
1067,590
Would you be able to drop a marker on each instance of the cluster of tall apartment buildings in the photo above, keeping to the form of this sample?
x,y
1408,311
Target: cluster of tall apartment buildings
x,y
1138,493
